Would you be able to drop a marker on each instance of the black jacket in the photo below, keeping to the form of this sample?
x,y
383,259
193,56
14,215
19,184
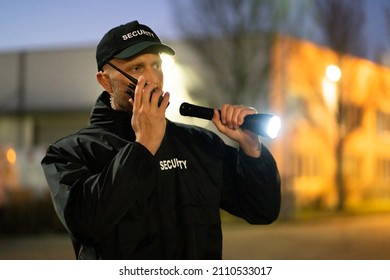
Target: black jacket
x,y
118,201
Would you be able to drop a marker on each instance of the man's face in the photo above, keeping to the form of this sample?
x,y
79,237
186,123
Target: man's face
x,y
148,65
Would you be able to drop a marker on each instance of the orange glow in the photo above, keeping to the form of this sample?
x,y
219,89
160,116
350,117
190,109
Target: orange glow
x,y
11,156
309,82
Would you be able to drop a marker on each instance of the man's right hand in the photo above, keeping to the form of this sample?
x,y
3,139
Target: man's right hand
x,y
148,120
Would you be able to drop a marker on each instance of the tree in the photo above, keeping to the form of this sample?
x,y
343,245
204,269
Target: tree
x,y
233,40
341,23
387,13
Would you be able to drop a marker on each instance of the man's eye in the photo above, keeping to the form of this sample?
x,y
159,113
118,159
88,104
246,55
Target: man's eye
x,y
135,69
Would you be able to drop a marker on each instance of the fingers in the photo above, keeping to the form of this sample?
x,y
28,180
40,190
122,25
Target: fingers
x,y
148,94
233,115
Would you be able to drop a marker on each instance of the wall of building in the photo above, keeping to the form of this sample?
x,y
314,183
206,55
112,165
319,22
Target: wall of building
x,y
306,150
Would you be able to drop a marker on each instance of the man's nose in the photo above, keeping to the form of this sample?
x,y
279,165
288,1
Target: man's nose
x,y
152,77
151,80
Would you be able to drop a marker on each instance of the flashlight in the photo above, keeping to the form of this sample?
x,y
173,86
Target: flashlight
x,y
265,125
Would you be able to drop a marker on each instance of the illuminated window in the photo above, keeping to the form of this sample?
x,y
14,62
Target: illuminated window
x,y
383,122
383,170
352,116
352,166
306,166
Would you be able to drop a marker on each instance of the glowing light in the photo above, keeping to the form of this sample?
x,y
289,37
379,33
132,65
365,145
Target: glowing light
x,y
168,62
273,127
176,84
11,156
329,90
333,73
329,86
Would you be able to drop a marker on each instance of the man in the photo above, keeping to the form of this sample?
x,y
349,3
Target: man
x,y
134,185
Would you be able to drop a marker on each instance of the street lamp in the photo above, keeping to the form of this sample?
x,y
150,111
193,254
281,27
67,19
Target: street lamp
x,y
332,95
333,73
330,86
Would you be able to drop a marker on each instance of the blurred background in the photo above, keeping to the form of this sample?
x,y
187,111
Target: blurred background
x,y
321,65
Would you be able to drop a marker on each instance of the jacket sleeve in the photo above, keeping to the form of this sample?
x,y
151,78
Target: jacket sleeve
x,y
253,193
90,202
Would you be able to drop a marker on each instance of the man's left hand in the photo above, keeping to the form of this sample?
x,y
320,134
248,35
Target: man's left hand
x,y
229,122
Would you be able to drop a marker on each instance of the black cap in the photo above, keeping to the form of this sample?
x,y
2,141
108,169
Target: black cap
x,y
128,40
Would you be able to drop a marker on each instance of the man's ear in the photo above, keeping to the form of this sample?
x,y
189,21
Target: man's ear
x,y
104,80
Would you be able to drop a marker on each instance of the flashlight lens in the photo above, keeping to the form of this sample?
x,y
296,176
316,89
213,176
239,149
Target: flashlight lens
x,y
273,127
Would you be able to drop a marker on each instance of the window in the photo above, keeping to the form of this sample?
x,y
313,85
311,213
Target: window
x,y
351,116
383,122
383,170
352,166
306,166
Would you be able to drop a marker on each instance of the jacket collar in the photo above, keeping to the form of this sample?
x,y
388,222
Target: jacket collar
x,y
117,122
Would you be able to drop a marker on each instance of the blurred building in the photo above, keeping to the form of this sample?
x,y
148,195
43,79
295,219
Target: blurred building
x,y
312,87
41,101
